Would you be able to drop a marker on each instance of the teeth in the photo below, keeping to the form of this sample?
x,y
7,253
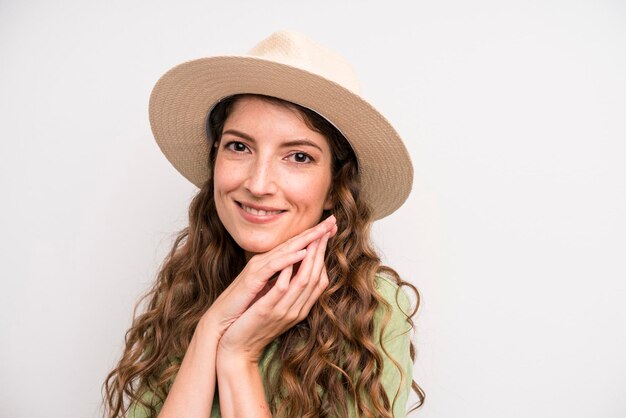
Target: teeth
x,y
260,212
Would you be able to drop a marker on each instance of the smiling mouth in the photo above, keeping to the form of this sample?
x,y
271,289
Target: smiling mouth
x,y
259,212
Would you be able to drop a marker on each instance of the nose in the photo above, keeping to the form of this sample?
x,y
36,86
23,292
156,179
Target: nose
x,y
261,178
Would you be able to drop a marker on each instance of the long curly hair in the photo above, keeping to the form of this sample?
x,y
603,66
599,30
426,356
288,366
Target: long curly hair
x,y
333,348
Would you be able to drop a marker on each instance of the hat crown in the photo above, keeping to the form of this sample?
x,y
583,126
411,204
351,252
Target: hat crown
x,y
296,50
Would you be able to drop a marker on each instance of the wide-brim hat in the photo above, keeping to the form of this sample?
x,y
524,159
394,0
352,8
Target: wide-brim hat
x,y
289,66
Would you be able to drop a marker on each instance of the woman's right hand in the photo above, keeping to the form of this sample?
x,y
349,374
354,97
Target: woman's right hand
x,y
254,279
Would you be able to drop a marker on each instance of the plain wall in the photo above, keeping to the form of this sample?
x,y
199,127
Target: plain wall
x,y
513,112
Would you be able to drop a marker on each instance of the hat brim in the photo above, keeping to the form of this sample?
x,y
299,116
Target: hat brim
x,y
182,98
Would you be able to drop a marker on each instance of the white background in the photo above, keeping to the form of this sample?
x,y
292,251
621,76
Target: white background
x,y
514,113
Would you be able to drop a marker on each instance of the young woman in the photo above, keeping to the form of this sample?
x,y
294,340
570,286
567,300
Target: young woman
x,y
273,302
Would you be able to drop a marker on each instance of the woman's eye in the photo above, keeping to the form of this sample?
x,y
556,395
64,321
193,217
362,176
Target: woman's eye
x,y
236,146
301,157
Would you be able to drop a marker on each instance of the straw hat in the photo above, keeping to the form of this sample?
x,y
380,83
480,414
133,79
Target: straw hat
x,y
291,67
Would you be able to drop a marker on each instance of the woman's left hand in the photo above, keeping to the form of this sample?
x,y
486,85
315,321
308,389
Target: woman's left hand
x,y
288,302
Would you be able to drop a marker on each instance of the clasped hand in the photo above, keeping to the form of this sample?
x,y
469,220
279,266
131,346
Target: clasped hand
x,y
255,308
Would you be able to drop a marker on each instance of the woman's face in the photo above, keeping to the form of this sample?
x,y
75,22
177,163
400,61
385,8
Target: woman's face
x,y
272,174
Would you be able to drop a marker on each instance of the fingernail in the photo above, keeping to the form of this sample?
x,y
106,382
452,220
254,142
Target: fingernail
x,y
331,217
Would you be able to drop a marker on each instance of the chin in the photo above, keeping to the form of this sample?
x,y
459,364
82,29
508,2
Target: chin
x,y
255,247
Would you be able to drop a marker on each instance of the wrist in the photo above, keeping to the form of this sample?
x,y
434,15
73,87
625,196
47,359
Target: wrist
x,y
235,364
209,327
241,390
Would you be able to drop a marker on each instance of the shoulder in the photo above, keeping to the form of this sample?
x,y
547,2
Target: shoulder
x,y
393,318
393,293
393,336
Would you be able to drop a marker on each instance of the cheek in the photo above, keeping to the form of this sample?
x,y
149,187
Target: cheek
x,y
222,183
309,193
223,176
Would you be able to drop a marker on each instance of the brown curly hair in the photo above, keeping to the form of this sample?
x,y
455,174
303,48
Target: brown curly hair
x,y
333,348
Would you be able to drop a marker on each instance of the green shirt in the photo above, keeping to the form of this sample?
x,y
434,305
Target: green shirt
x,y
397,339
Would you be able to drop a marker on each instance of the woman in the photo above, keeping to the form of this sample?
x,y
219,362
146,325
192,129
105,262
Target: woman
x,y
273,302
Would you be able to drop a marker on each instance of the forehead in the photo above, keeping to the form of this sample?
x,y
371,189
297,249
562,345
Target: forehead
x,y
270,116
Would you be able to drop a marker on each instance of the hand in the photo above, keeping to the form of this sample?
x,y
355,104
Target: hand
x,y
285,304
254,279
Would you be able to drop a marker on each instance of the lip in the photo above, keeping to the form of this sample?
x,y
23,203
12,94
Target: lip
x,y
258,219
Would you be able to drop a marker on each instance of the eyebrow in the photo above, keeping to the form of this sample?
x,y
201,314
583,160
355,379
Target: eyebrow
x,y
293,143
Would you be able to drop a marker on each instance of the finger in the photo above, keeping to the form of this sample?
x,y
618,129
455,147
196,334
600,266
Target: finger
x,y
254,278
270,283
306,237
276,293
319,257
279,261
299,282
303,239
316,271
322,284
296,243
